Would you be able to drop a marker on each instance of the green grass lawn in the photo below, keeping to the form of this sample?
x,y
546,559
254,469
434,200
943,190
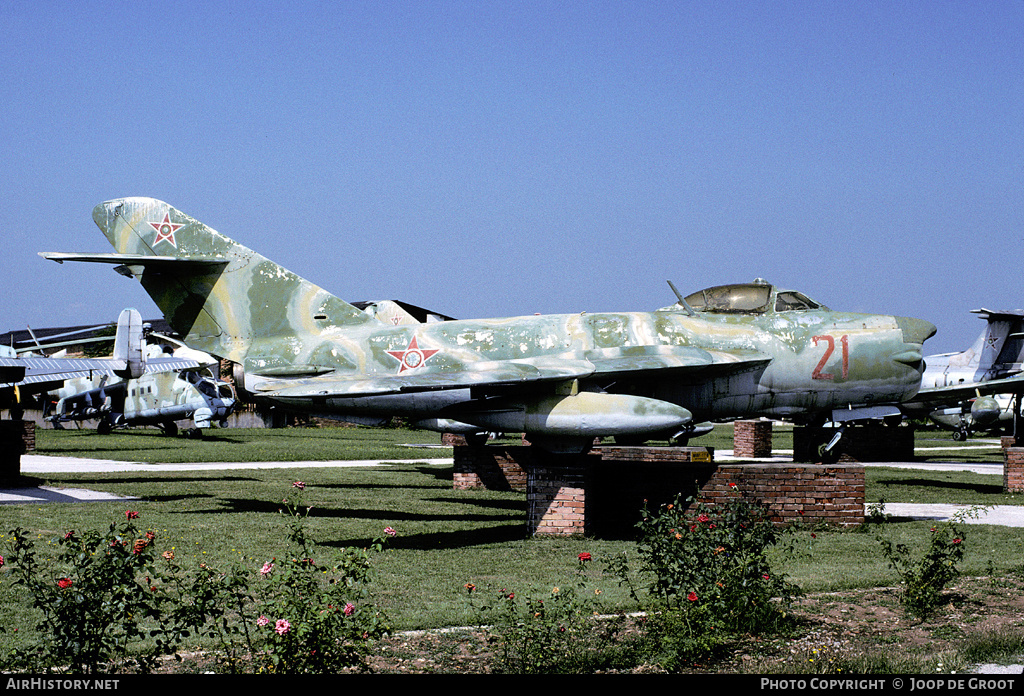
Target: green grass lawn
x,y
446,537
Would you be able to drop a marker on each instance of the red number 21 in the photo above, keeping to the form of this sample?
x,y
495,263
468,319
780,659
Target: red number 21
x,y
830,347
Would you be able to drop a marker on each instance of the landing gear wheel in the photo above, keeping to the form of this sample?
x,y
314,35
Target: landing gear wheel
x,y
959,435
826,455
170,429
104,427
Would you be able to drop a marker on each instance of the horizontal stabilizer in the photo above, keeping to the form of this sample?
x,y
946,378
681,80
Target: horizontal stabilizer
x,y
156,263
999,314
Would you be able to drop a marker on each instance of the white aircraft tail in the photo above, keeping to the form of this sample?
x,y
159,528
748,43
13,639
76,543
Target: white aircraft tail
x,y
1000,348
129,345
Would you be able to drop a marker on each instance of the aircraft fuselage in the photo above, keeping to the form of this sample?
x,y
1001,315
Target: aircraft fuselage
x,y
819,360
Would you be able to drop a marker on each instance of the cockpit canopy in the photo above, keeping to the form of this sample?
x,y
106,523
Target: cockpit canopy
x,y
758,297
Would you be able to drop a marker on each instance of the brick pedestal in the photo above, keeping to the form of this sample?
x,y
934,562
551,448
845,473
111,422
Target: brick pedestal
x,y
752,439
602,492
1013,469
828,494
492,467
16,438
452,440
556,499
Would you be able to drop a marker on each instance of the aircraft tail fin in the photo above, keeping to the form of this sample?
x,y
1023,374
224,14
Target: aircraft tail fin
x,y
221,296
1000,347
129,345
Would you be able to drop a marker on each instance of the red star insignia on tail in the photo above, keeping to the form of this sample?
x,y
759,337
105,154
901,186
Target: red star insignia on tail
x,y
412,357
165,230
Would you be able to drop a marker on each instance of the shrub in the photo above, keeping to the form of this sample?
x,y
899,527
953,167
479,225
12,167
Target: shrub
x,y
93,598
925,578
294,614
708,575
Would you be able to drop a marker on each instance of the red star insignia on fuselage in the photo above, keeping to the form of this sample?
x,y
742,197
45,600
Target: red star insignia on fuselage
x,y
412,357
165,230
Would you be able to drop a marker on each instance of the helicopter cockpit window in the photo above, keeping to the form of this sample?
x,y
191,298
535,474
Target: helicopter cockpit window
x,y
732,299
206,388
788,301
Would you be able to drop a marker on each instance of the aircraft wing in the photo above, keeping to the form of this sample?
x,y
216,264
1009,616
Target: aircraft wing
x,y
34,373
642,361
658,361
961,392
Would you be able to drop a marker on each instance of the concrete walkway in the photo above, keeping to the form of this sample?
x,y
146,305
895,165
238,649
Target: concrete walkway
x,y
39,465
32,464
1001,515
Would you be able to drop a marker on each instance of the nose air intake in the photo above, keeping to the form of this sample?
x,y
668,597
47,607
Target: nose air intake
x,y
915,331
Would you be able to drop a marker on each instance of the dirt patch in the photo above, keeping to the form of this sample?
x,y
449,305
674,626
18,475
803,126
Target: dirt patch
x,y
833,627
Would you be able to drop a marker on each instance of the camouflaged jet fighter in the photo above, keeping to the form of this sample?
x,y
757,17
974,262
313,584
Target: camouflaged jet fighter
x,y
728,352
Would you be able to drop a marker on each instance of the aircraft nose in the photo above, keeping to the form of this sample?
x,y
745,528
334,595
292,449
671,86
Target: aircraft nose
x,y
915,331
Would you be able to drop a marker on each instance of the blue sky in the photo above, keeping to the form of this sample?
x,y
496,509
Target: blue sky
x,y
503,158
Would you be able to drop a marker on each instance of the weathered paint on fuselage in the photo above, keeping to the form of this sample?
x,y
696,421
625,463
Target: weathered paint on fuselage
x,y
820,359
